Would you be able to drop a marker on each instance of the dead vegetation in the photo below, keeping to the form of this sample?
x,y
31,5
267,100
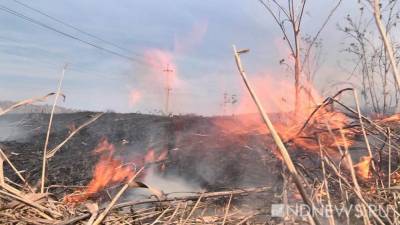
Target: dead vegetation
x,y
370,182
354,158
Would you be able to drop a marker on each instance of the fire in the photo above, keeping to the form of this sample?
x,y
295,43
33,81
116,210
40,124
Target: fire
x,y
362,168
278,99
389,119
110,170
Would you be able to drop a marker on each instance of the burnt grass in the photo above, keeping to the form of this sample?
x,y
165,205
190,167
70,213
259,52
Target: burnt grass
x,y
199,150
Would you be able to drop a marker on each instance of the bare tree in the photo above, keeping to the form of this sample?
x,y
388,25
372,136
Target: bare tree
x,y
288,16
373,62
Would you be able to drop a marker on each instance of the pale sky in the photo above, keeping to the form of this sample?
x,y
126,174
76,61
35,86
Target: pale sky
x,y
197,35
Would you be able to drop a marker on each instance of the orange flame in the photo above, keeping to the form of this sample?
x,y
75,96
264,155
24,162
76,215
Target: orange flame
x,y
110,171
362,168
392,118
277,97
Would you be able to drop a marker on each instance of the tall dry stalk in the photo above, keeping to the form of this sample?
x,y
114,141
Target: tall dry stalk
x,y
363,128
44,161
331,218
385,39
278,141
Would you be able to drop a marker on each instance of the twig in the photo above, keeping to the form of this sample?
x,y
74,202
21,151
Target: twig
x,y
193,209
278,141
173,214
195,197
32,204
326,102
48,132
227,209
307,55
161,215
58,147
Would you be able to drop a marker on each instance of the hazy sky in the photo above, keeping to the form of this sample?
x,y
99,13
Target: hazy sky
x,y
195,36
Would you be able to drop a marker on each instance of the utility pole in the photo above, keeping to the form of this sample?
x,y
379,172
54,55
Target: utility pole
x,y
225,102
168,88
230,99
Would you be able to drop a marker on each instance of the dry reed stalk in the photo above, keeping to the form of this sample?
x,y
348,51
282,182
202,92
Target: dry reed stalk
x,y
358,194
353,175
227,209
363,128
331,219
366,119
161,215
182,213
241,192
4,156
244,220
278,141
44,160
116,197
174,213
390,158
58,147
193,209
27,102
41,209
386,42
357,188
1,171
11,189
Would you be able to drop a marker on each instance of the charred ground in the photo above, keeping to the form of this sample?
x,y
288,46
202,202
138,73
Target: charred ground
x,y
199,150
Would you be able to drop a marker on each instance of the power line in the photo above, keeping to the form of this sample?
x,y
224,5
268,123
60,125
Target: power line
x,y
73,27
22,16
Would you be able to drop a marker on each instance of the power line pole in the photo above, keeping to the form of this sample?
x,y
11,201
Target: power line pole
x,y
168,88
225,102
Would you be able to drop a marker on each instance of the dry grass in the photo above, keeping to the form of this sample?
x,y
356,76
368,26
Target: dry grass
x,y
336,183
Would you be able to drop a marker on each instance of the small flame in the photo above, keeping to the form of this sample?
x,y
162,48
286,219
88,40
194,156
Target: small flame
x,y
362,168
392,118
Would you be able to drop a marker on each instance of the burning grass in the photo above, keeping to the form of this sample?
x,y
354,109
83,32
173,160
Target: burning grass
x,y
323,147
